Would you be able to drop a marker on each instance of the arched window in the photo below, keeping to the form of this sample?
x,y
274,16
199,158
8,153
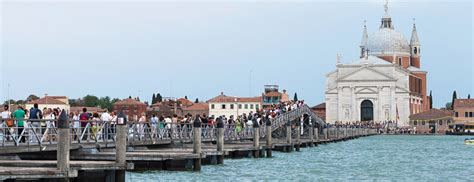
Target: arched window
x,y
415,50
440,122
415,123
423,122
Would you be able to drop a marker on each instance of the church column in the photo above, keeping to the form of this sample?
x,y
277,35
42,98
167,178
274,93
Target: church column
x,y
339,103
354,104
379,104
393,112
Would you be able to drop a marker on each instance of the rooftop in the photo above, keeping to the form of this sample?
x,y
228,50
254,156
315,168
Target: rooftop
x,y
48,100
432,114
463,103
129,101
224,98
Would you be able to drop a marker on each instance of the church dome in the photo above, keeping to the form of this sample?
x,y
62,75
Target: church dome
x,y
387,40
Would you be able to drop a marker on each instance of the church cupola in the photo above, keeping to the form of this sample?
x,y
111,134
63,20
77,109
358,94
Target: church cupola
x,y
363,42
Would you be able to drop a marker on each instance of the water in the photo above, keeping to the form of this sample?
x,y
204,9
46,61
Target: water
x,y
393,158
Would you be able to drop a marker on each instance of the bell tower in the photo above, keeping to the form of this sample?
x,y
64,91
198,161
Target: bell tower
x,y
363,42
414,48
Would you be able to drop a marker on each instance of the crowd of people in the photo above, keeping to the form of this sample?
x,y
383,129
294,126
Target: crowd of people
x,y
97,121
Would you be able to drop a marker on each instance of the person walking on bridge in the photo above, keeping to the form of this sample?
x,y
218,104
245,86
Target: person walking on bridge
x,y
35,114
19,115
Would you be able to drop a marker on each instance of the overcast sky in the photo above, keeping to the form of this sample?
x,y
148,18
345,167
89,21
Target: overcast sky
x,y
200,48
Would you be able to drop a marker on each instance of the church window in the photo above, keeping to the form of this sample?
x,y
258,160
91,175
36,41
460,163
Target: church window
x,y
415,50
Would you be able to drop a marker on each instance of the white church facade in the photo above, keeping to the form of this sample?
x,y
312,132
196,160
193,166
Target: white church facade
x,y
384,84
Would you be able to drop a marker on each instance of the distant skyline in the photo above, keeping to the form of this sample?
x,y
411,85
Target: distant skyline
x,y
200,48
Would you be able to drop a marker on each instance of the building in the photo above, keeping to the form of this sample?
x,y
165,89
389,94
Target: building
x,y
464,115
52,102
184,102
320,110
165,108
132,108
272,96
223,105
197,108
431,121
78,110
385,83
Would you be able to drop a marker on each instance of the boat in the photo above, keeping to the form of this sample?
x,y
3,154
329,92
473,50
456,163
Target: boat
x,y
469,141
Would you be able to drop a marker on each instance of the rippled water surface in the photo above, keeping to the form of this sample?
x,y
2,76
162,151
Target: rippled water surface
x,y
399,158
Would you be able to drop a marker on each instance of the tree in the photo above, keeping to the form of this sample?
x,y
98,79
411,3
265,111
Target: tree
x,y
196,101
76,102
31,98
11,102
449,106
431,101
20,102
454,98
105,103
159,98
295,98
91,101
468,96
153,99
186,97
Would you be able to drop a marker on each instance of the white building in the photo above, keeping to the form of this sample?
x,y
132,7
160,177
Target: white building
x,y
385,84
370,89
227,106
52,102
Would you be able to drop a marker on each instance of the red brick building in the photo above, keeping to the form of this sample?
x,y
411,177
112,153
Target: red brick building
x,y
132,108
320,110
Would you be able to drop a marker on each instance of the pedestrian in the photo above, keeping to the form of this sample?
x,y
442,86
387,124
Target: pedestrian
x,y
19,116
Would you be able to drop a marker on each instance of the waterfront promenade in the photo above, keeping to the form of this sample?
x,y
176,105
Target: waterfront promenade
x,y
106,154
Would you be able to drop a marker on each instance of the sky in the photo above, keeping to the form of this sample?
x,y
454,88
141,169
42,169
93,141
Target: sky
x,y
201,48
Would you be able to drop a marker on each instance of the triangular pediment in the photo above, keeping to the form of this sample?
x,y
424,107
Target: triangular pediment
x,y
366,90
332,91
366,74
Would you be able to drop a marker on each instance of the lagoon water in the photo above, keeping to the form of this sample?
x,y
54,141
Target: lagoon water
x,y
394,158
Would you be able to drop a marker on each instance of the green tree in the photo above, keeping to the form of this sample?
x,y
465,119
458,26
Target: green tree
x,y
431,100
31,98
449,106
105,103
11,102
295,98
454,98
91,101
159,98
